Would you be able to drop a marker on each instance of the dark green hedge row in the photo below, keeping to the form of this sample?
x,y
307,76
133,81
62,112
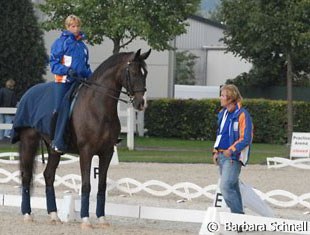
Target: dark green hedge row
x,y
196,119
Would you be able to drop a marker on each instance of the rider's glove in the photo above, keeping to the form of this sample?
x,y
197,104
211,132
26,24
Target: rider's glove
x,y
71,73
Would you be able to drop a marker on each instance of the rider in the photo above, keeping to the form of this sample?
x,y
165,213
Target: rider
x,y
68,61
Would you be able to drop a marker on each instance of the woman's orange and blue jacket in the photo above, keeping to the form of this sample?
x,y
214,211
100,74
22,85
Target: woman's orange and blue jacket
x,y
240,133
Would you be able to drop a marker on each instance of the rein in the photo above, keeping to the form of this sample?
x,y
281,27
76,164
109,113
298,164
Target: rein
x,y
90,84
130,92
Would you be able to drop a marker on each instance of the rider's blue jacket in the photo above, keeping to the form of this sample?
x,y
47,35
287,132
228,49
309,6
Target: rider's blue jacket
x,y
69,51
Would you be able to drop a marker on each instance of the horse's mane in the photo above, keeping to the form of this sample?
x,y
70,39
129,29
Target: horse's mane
x,y
111,62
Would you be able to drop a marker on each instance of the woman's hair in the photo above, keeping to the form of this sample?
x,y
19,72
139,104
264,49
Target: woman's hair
x,y
72,19
10,84
232,92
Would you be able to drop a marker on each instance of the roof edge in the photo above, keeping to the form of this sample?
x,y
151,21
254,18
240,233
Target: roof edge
x,y
207,21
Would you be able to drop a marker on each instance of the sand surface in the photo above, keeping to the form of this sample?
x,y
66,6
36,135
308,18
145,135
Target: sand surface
x,y
291,179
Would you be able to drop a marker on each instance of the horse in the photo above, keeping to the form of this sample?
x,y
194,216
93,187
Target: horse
x,y
95,129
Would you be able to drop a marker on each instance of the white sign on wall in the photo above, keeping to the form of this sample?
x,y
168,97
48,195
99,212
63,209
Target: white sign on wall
x,y
300,146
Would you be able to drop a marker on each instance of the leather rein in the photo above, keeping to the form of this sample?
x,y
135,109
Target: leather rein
x,y
130,92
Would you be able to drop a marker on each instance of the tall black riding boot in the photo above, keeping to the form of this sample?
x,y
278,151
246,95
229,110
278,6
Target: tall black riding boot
x,y
53,125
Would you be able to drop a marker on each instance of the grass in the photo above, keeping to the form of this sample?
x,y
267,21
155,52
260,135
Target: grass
x,y
164,150
188,151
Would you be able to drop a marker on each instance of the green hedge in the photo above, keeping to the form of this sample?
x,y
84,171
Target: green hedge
x,y
196,119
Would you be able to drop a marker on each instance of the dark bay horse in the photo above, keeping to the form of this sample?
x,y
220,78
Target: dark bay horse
x,y
95,128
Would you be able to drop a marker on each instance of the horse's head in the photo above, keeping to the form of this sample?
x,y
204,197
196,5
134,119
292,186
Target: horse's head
x,y
135,78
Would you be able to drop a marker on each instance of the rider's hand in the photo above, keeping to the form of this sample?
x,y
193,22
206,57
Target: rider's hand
x,y
71,73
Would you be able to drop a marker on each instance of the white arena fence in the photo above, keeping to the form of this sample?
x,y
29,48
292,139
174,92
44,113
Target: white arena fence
x,y
299,153
279,162
185,190
70,206
131,121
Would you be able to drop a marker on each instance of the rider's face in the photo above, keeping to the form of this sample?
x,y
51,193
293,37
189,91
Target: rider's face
x,y
74,28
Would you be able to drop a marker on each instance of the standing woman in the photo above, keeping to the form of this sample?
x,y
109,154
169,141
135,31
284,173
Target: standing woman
x,y
232,145
7,99
68,61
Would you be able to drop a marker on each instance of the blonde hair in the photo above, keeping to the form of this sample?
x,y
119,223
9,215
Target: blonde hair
x,y
10,84
71,19
232,92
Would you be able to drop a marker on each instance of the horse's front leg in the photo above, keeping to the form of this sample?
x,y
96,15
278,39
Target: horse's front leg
x,y
49,176
85,165
104,162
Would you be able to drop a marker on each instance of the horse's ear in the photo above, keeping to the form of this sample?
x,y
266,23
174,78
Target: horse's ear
x,y
145,55
137,55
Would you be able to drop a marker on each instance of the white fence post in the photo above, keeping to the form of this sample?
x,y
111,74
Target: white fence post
x,y
140,123
6,110
130,127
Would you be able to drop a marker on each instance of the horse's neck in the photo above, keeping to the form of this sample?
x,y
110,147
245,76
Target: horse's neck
x,y
106,94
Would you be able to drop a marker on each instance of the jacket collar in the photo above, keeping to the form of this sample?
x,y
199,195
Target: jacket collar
x,y
67,33
235,113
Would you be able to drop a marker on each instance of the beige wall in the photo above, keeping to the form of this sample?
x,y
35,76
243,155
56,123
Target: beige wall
x,y
223,65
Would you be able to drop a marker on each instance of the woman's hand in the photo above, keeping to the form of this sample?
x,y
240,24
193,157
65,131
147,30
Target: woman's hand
x,y
215,157
227,153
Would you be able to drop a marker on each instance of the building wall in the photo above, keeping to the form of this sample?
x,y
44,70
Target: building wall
x,y
213,65
223,65
199,34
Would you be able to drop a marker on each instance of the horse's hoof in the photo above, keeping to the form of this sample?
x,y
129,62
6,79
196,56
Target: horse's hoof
x,y
28,218
103,223
86,223
54,222
54,218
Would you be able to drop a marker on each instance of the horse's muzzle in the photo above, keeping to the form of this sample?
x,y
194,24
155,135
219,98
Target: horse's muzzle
x,y
138,104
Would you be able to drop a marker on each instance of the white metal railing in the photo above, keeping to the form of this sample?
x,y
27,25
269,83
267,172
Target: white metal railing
x,y
134,123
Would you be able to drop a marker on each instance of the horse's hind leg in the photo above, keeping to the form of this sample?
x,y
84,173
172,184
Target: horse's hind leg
x,y
49,176
29,140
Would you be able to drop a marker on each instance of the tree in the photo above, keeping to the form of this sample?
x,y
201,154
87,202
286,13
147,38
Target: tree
x,y
262,31
185,62
23,57
122,21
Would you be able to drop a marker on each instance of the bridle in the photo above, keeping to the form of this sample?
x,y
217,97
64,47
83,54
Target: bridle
x,y
130,92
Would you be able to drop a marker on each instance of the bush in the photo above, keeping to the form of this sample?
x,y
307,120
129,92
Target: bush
x,y
196,119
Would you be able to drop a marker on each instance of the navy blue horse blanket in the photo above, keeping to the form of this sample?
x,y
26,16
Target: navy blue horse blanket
x,y
36,107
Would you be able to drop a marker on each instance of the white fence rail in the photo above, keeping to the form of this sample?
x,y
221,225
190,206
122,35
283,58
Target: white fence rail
x,y
185,190
134,122
157,188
